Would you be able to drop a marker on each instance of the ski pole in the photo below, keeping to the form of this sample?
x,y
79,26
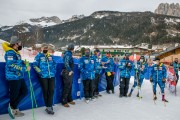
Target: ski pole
x,y
33,99
153,93
29,75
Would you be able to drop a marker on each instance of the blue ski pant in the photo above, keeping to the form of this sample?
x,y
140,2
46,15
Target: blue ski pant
x,y
136,82
161,85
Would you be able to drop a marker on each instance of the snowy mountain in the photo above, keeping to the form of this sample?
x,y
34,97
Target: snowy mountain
x,y
74,18
100,28
42,22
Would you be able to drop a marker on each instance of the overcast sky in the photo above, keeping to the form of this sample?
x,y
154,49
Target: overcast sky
x,y
12,11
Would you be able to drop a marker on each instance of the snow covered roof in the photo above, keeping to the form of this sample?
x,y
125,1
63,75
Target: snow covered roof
x,y
168,50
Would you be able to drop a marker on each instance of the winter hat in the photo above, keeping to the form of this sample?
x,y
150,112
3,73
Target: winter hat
x,y
96,50
70,46
14,40
157,59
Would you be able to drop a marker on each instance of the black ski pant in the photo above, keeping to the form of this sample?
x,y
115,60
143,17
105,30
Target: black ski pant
x,y
17,91
96,84
124,86
88,88
109,80
48,85
177,75
67,87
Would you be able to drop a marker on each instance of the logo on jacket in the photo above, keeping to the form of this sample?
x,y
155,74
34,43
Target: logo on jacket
x,y
43,59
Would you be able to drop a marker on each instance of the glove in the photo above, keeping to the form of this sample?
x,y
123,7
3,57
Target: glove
x,y
104,67
108,73
70,73
151,80
164,80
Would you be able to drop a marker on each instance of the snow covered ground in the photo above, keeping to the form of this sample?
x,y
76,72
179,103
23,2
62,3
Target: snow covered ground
x,y
111,107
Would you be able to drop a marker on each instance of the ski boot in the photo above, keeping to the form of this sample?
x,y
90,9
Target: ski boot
x,y
129,95
164,100
87,100
108,91
155,98
93,99
18,113
72,103
49,110
112,91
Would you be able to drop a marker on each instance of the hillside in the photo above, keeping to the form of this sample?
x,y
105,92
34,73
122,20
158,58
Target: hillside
x,y
104,27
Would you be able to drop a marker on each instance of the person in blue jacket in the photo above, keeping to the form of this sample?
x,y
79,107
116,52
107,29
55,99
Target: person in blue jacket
x,y
87,69
125,67
98,70
45,66
139,76
108,66
176,66
67,74
14,73
158,76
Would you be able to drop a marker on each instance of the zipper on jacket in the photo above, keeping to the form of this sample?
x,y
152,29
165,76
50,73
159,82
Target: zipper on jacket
x,y
48,68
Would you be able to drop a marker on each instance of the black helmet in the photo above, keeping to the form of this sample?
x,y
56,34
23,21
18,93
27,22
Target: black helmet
x,y
70,46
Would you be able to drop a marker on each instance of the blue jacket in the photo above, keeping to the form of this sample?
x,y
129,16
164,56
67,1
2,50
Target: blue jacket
x,y
97,63
68,61
87,68
158,73
148,73
141,74
125,71
15,67
45,65
110,65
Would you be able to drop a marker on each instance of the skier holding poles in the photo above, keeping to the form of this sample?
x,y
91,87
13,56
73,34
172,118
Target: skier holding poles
x,y
158,76
139,77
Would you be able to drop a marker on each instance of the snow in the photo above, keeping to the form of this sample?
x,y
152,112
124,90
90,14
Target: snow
x,y
4,28
41,24
104,47
111,107
25,30
99,16
171,20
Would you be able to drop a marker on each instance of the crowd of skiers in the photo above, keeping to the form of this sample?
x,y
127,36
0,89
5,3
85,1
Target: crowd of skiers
x,y
90,67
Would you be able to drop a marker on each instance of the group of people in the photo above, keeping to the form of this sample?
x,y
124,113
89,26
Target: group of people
x,y
90,67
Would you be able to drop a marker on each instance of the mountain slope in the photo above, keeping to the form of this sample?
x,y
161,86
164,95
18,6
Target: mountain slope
x,y
105,27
